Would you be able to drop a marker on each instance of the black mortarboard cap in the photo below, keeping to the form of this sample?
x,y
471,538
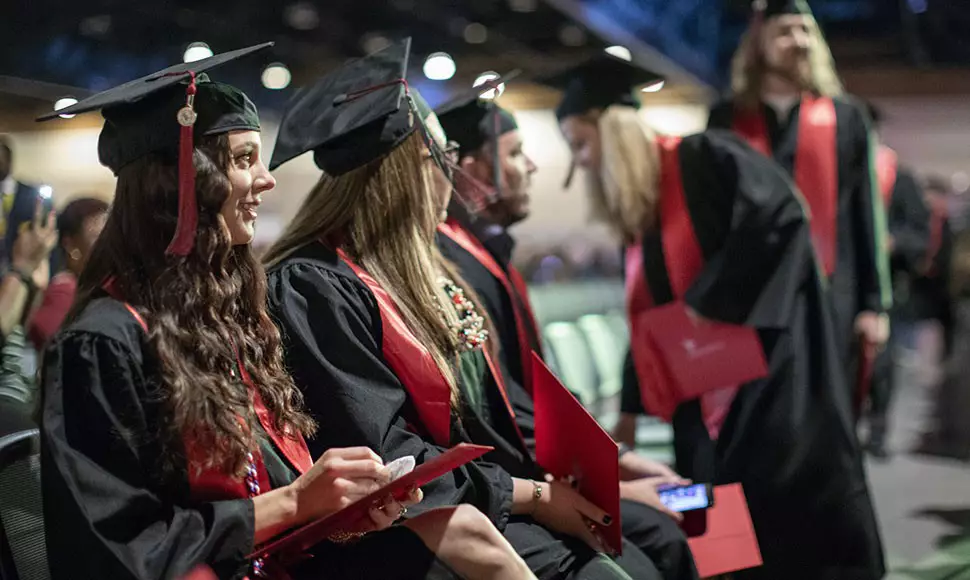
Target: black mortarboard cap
x,y
598,83
774,8
140,115
355,114
163,113
472,121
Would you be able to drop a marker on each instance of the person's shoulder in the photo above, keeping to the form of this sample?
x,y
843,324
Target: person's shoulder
x,y
106,320
316,268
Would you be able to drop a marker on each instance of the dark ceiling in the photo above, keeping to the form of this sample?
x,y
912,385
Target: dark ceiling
x,y
96,44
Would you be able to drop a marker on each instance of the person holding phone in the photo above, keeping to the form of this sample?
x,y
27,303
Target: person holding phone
x,y
171,435
21,287
388,343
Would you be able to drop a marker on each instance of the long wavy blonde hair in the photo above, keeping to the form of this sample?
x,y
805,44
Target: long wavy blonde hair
x,y
384,216
748,66
624,193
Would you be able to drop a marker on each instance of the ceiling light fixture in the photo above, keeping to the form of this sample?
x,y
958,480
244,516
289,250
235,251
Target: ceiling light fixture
x,y
484,78
63,103
276,76
620,52
196,51
439,66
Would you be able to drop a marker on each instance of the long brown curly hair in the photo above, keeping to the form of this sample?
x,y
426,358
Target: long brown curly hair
x,y
196,307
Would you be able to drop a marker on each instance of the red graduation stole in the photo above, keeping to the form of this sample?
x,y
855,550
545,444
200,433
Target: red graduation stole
x,y
684,260
212,484
887,164
816,170
515,287
414,367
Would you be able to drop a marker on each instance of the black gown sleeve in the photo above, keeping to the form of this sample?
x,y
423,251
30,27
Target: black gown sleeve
x,y
761,263
331,330
721,115
868,219
909,223
106,515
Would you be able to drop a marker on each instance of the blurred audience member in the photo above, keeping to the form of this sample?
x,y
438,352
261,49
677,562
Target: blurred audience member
x,y
944,294
18,203
78,227
23,281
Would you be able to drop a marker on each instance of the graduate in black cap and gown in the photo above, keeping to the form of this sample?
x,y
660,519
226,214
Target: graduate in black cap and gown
x,y
388,343
788,103
713,224
492,182
171,435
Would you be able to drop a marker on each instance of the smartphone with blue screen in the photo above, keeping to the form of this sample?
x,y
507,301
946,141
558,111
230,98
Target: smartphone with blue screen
x,y
687,498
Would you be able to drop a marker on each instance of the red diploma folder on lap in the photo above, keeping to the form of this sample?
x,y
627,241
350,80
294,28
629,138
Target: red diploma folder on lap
x,y
729,544
679,359
569,442
350,518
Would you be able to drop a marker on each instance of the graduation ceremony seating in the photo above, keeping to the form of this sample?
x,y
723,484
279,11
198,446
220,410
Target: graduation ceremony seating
x,y
23,554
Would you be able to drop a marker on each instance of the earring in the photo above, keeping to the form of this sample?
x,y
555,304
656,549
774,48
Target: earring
x,y
75,254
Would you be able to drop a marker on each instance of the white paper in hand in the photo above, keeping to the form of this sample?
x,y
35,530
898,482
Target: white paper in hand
x,y
400,467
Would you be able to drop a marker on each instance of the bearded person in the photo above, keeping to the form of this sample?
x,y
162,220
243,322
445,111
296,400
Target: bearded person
x,y
788,103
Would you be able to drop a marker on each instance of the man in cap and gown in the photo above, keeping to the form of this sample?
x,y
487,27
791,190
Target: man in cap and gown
x,y
492,181
789,105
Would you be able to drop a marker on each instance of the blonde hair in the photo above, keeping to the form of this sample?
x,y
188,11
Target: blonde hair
x,y
748,66
625,191
384,216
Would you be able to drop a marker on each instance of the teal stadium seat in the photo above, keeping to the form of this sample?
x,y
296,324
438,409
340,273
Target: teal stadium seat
x,y
573,360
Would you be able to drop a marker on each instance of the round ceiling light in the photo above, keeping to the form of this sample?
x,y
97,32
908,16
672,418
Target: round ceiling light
x,y
439,66
196,51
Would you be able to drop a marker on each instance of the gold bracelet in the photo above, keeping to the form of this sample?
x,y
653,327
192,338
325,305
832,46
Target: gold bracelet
x,y
345,537
536,497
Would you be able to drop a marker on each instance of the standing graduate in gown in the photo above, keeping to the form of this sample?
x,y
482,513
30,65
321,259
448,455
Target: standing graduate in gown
x,y
788,103
389,345
492,181
713,224
909,224
171,435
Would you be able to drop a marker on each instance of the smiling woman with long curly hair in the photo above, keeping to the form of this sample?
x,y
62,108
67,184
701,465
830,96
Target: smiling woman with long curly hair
x,y
171,434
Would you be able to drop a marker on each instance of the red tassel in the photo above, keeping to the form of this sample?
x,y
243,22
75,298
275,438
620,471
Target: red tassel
x,y
188,215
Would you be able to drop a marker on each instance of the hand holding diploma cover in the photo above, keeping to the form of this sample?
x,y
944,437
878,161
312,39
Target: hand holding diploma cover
x,y
679,359
570,443
353,518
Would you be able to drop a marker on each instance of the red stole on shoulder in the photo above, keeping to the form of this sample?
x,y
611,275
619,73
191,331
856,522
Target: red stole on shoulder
x,y
414,367
683,260
514,286
887,163
212,484
816,171
411,362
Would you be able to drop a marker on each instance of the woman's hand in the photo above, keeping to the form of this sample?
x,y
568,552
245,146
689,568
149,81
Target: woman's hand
x,y
339,478
35,241
384,515
563,510
645,491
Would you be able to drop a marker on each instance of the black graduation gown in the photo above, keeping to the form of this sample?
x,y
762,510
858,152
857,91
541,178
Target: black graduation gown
x,y
111,512
788,438
332,333
655,534
861,278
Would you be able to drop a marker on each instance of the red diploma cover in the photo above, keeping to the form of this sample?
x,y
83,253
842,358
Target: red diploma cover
x,y
686,359
569,442
729,544
350,518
